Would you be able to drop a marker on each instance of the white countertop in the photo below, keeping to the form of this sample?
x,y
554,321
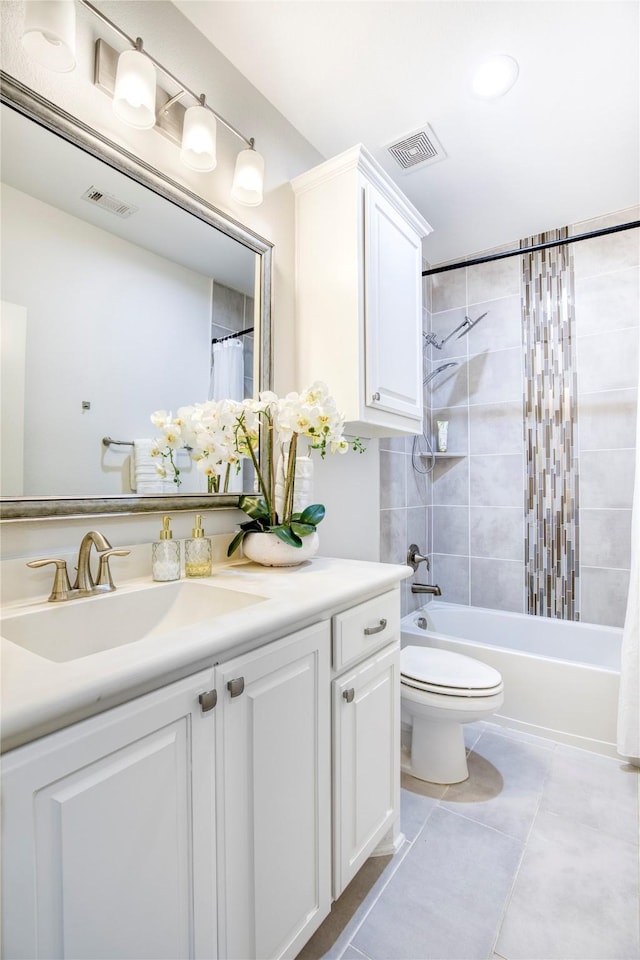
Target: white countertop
x,y
40,696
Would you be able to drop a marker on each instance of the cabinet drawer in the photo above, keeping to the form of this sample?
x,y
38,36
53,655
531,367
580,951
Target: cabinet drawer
x,y
361,630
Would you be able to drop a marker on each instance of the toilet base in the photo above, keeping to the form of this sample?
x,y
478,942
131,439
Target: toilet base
x,y
438,753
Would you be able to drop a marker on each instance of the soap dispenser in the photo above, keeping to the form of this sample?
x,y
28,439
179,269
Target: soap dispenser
x,y
197,552
165,555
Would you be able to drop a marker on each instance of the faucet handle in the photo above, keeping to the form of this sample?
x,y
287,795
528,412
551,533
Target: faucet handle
x,y
104,572
61,586
415,558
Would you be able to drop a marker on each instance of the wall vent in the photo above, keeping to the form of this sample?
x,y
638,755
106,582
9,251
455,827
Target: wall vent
x,y
417,149
108,202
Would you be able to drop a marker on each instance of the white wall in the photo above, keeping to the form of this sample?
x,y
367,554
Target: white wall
x,y
106,303
172,40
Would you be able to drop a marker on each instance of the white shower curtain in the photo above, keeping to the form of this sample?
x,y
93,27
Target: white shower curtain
x,y
227,371
227,383
629,702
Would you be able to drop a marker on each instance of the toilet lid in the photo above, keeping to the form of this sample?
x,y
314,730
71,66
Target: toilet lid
x,y
442,671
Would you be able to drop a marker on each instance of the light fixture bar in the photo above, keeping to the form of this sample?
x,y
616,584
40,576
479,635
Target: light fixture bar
x,y
101,16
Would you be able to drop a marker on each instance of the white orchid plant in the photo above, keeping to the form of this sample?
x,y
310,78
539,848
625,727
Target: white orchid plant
x,y
220,434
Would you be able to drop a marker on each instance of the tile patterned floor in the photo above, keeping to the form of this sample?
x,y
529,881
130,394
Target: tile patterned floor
x,y
534,857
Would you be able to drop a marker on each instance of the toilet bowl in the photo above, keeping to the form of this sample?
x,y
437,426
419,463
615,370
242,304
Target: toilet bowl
x,y
440,691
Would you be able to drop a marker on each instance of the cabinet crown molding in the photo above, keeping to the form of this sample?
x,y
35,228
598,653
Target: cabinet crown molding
x,y
358,158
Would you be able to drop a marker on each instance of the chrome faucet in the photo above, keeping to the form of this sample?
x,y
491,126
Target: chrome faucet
x,y
84,585
426,588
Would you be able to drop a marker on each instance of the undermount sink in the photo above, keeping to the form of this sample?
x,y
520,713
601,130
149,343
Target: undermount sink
x,y
79,628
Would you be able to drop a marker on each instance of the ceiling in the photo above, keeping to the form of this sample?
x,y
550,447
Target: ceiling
x,y
561,147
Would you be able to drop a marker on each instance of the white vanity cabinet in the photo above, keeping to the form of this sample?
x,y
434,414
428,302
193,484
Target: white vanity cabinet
x,y
274,797
359,293
108,834
366,733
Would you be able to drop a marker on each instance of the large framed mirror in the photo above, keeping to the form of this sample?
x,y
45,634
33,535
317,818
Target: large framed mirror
x,y
115,282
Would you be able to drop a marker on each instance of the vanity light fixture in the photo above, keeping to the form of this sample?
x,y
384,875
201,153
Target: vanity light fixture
x,y
130,78
134,96
198,151
495,76
248,177
49,34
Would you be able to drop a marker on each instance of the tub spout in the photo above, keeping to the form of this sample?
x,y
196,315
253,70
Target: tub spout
x,y
426,588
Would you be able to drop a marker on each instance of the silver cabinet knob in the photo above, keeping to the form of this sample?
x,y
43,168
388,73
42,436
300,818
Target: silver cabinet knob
x,y
375,397
349,694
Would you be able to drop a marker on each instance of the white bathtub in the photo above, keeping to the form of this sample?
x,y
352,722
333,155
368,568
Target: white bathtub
x,y
561,679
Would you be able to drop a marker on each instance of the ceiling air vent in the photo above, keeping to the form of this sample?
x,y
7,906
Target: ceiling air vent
x,y
417,149
108,202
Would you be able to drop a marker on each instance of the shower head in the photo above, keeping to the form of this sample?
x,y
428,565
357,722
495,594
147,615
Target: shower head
x,y
431,338
434,373
469,324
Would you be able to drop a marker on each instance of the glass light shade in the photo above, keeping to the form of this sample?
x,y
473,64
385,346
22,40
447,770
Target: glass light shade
x,y
198,150
49,35
134,97
248,178
495,76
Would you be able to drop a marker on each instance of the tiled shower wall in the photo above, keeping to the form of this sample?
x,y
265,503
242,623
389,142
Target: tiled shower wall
x,y
471,506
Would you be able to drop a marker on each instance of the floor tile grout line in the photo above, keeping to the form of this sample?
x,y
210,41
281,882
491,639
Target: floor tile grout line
x,y
408,844
525,844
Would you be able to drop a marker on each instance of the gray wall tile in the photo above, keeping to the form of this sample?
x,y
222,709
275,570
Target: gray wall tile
x,y
611,252
496,427
393,487
496,377
610,364
498,584
607,420
452,576
605,538
500,329
451,530
603,596
606,480
449,290
450,480
393,536
497,532
608,302
489,281
450,388
496,481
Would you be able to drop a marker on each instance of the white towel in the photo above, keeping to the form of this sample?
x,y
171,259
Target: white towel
x,y
227,371
145,478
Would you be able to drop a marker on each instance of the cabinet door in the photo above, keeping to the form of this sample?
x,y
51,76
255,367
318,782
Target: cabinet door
x,y
366,761
108,834
274,837
393,311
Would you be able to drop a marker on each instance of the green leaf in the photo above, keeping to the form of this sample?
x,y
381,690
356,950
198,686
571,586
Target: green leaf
x,y
314,513
235,543
287,535
302,529
255,507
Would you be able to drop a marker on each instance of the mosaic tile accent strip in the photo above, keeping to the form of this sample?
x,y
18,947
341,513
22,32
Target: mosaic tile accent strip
x,y
550,430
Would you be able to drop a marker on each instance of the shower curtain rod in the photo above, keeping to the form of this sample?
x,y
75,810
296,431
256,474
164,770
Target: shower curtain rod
x,y
532,249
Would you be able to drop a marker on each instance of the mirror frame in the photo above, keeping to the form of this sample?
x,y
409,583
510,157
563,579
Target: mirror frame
x,y
29,103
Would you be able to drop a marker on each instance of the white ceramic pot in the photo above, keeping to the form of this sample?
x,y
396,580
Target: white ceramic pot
x,y
271,551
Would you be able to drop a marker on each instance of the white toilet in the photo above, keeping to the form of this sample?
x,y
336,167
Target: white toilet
x,y
440,691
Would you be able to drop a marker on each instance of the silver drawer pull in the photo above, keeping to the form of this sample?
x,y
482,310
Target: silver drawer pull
x,y
369,631
349,694
235,687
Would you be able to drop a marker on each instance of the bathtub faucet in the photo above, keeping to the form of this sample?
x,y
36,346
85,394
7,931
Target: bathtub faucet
x,y
426,588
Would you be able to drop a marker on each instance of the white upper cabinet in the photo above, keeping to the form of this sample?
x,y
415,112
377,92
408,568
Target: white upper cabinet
x,y
359,293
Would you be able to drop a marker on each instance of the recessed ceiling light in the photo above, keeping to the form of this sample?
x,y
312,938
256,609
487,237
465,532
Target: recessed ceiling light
x,y
495,76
